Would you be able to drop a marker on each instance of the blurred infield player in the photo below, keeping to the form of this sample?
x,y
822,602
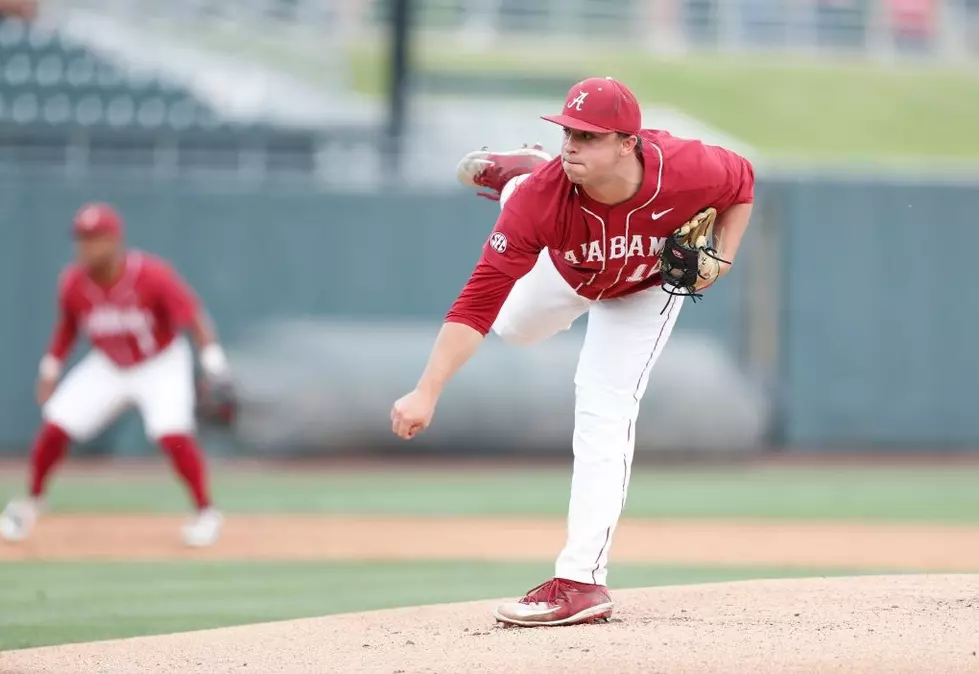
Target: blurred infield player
x,y
580,233
133,307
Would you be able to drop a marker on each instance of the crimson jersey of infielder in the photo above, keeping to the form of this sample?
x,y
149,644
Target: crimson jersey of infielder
x,y
582,233
133,307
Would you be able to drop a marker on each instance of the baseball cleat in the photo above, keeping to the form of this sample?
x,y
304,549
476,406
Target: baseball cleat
x,y
493,170
558,602
204,530
17,519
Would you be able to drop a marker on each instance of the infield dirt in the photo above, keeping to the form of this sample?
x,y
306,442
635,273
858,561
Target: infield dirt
x,y
857,546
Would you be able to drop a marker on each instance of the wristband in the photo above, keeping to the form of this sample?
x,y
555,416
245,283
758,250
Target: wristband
x,y
213,360
50,367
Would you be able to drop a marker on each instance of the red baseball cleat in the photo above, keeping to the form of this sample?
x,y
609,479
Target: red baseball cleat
x,y
558,602
493,170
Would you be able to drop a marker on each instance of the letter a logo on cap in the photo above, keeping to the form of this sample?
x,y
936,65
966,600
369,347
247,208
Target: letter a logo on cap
x,y
578,100
89,218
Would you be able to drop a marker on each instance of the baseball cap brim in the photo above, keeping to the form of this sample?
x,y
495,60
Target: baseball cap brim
x,y
570,122
95,233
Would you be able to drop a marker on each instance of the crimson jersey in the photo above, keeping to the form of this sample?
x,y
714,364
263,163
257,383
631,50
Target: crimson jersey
x,y
602,251
610,251
130,320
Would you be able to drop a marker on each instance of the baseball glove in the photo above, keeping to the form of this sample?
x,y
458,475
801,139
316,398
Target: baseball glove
x,y
689,261
217,403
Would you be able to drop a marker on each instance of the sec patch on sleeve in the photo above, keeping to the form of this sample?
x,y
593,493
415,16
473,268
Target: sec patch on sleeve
x,y
498,242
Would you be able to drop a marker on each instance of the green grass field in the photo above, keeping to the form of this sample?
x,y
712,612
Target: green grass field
x,y
52,603
793,108
58,602
899,495
785,107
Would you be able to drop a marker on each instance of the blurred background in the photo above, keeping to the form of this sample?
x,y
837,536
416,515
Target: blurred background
x,y
295,159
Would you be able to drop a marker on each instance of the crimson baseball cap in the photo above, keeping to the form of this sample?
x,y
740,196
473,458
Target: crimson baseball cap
x,y
600,105
97,218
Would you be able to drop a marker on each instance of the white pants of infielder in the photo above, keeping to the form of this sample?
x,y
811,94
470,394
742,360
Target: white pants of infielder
x,y
623,340
96,391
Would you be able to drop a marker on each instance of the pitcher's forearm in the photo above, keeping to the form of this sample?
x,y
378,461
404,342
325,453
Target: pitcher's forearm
x,y
729,230
455,345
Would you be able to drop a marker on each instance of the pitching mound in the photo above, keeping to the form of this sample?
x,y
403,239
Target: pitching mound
x,y
854,625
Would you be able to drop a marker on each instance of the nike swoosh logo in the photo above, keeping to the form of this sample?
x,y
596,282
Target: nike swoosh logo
x,y
657,216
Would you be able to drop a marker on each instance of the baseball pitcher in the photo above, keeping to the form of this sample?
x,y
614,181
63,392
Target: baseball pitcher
x,y
622,215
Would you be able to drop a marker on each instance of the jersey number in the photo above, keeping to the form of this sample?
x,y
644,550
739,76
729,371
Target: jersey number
x,y
643,272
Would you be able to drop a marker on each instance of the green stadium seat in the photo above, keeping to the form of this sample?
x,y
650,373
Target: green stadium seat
x,y
57,109
49,71
151,113
12,34
79,71
17,68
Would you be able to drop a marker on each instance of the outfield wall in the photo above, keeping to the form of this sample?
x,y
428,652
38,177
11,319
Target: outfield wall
x,y
856,329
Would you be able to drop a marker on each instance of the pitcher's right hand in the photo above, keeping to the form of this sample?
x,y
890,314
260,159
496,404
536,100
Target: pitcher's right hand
x,y
412,414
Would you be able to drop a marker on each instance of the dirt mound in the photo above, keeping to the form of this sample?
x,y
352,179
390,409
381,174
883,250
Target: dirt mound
x,y
917,623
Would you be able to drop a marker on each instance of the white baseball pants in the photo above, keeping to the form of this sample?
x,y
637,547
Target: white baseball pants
x,y
96,391
623,340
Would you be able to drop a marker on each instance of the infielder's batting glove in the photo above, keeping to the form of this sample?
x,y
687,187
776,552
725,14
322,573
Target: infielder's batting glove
x,y
689,262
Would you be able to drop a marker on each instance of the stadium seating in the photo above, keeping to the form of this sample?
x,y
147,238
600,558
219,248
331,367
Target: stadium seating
x,y
60,101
